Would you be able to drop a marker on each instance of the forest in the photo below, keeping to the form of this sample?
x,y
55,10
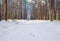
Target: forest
x,y
30,9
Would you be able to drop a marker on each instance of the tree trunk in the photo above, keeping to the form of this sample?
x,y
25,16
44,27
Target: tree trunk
x,y
0,12
12,9
5,9
52,10
19,9
57,17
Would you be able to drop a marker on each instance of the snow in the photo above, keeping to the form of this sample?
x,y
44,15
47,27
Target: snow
x,y
29,30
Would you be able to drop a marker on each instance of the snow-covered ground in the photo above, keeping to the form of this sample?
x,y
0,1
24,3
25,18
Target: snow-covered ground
x,y
21,30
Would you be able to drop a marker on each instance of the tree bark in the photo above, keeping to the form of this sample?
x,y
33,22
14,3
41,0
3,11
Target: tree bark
x,y
52,10
0,12
19,9
5,9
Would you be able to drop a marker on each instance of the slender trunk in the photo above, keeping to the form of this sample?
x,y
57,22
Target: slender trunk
x,y
0,12
49,10
55,12
12,9
52,10
19,9
5,9
18,3
57,17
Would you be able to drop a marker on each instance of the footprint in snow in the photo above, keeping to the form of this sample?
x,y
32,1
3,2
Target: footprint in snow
x,y
33,35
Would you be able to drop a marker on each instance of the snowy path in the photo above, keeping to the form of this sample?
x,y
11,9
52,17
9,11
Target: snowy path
x,y
26,31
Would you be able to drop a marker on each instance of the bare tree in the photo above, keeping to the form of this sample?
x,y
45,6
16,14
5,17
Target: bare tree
x,y
5,9
0,12
52,10
19,9
57,9
12,9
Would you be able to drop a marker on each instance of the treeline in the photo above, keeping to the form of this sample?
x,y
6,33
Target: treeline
x,y
41,9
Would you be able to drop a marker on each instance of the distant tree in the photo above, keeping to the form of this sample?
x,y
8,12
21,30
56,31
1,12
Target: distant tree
x,y
52,10
0,12
12,9
19,9
5,9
